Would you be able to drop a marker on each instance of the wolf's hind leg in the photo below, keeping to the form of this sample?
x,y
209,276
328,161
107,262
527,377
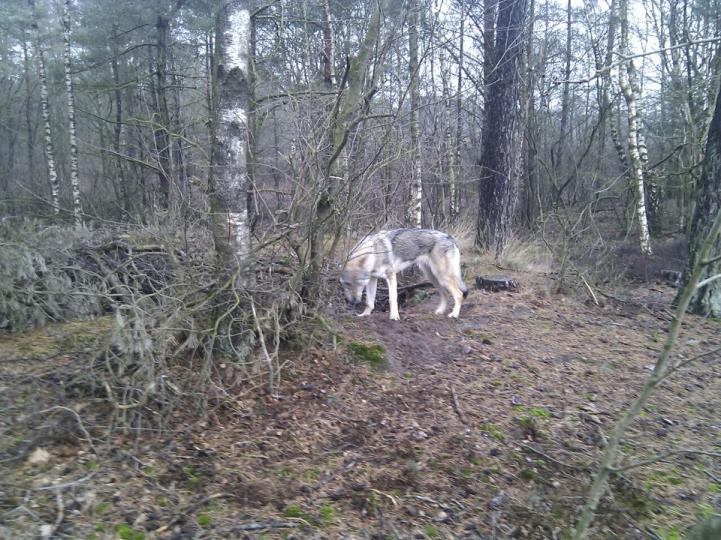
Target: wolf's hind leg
x,y
430,276
451,283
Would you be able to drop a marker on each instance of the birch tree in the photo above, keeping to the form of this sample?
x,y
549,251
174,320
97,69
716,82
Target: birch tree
x,y
45,108
636,169
74,176
416,171
229,173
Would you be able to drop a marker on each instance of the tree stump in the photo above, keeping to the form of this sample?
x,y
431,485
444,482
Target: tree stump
x,y
496,283
673,277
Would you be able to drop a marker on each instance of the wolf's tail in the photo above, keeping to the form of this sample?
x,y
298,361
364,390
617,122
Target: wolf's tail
x,y
459,278
463,287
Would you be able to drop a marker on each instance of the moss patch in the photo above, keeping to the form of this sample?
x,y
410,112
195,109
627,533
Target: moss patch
x,y
372,353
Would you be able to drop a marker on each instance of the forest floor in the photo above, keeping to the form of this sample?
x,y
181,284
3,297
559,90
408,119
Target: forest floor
x,y
485,427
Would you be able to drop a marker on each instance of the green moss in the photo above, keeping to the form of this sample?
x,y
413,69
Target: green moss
x,y
431,531
371,353
126,532
204,520
527,474
327,514
101,508
540,412
293,511
493,430
192,475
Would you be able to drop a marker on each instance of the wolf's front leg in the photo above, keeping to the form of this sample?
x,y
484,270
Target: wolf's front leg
x,y
393,296
370,297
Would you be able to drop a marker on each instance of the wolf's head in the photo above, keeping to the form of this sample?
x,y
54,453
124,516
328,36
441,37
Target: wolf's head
x,y
354,279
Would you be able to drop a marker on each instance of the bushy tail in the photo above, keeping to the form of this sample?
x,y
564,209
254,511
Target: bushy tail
x,y
459,278
463,287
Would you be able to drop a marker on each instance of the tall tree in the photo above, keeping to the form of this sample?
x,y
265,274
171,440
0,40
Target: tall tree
x,y
499,182
45,107
416,170
706,300
626,76
229,178
72,132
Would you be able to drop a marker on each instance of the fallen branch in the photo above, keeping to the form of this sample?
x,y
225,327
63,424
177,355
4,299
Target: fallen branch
x,y
268,525
81,426
661,457
456,405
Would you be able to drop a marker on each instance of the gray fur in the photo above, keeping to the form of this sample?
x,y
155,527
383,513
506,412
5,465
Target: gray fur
x,y
386,253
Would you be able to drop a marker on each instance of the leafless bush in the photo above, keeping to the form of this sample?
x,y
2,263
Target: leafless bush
x,y
185,335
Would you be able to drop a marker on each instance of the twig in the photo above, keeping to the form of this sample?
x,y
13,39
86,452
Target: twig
x,y
189,508
66,484
81,427
589,289
673,369
268,525
661,457
457,405
551,459
395,503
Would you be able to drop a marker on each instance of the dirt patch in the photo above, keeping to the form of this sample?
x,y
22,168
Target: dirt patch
x,y
490,425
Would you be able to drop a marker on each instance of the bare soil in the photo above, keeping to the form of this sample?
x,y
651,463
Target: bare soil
x,y
485,427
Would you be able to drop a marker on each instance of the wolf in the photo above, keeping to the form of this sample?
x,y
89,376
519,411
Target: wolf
x,y
384,254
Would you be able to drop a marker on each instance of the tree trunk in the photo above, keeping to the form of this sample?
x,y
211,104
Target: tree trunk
x,y
45,107
499,182
118,126
161,116
72,136
229,174
416,171
456,165
636,171
28,114
706,300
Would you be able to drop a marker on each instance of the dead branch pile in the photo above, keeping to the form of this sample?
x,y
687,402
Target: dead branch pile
x,y
183,334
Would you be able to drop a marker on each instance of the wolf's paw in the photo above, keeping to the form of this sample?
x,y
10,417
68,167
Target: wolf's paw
x,y
440,310
395,317
452,315
364,314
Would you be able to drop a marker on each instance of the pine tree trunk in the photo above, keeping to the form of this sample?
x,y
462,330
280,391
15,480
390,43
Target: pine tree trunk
x,y
72,135
636,171
45,107
229,174
416,171
706,300
499,182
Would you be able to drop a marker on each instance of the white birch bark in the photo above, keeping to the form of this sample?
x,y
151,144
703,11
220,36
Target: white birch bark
x,y
74,176
230,211
417,180
636,171
45,108
456,166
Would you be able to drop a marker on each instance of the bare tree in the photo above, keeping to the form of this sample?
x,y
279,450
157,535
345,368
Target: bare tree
x,y
45,106
72,132
625,81
416,170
